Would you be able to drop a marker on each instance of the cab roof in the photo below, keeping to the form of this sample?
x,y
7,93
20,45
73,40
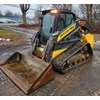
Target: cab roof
x,y
59,10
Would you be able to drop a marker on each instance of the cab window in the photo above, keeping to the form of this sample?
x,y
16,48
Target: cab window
x,y
64,20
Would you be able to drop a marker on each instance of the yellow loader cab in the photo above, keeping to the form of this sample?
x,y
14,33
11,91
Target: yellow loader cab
x,y
62,38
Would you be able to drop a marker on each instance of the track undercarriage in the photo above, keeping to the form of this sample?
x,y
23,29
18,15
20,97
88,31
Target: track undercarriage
x,y
73,57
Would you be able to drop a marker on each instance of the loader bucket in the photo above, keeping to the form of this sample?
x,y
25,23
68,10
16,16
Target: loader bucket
x,y
27,72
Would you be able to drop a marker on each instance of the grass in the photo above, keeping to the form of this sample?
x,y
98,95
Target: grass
x,y
6,32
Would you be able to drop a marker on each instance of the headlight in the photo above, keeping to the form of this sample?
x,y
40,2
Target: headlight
x,y
54,11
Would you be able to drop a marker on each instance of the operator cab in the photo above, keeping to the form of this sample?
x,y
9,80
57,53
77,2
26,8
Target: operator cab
x,y
54,20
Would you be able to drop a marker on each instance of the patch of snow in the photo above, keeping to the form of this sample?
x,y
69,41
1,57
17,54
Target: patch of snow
x,y
3,39
8,40
98,41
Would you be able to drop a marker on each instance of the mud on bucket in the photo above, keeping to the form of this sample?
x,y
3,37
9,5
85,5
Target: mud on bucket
x,y
27,72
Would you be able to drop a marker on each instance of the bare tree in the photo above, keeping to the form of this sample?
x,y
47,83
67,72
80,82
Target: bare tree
x,y
96,13
16,15
38,13
1,15
8,14
87,11
37,16
91,14
24,8
63,6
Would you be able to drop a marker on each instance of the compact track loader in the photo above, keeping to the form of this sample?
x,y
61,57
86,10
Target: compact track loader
x,y
61,44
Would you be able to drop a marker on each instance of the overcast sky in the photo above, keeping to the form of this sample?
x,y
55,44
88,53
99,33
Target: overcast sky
x,y
16,9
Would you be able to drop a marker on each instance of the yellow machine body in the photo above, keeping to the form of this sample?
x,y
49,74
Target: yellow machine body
x,y
88,38
62,51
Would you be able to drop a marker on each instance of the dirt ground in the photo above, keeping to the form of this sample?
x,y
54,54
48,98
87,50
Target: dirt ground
x,y
81,81
31,27
36,27
14,39
97,37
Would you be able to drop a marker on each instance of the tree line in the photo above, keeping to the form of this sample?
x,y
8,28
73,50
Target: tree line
x,y
90,12
9,14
